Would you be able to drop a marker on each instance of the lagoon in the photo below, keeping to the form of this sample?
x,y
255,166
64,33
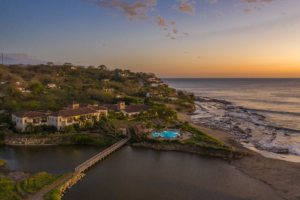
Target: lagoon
x,y
140,173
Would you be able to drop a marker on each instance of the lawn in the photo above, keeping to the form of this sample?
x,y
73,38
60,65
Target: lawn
x,y
30,186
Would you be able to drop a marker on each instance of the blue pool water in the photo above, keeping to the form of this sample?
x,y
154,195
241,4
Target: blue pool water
x,y
167,134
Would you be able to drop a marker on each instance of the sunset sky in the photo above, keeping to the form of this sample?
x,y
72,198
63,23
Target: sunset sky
x,y
171,38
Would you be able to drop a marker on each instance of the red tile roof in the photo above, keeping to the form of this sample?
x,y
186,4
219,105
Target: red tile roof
x,y
29,114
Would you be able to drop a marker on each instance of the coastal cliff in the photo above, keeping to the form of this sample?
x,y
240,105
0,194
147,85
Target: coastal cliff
x,y
195,149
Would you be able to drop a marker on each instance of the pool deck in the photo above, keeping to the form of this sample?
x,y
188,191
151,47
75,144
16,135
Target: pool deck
x,y
186,136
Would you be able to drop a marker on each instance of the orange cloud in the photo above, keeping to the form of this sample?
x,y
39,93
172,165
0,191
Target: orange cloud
x,y
161,21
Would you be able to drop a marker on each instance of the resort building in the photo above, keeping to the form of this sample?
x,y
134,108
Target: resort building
x,y
22,89
50,85
126,109
3,82
154,79
163,84
106,79
73,67
119,96
154,84
60,118
172,98
110,90
25,117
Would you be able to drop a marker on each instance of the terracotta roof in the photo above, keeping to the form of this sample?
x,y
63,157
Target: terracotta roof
x,y
97,107
136,108
138,128
29,114
112,107
73,112
73,102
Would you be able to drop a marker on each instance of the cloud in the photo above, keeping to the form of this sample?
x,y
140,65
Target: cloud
x,y
219,15
175,31
247,10
198,57
104,45
212,1
16,58
173,23
185,7
259,1
173,38
113,15
161,21
185,33
134,11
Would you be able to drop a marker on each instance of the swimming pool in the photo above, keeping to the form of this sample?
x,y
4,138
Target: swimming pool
x,y
167,134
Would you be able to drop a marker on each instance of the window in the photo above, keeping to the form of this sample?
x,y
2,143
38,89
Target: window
x,y
25,121
17,120
59,120
56,120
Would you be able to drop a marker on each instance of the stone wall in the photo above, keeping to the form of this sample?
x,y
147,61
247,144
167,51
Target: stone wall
x,y
33,141
70,183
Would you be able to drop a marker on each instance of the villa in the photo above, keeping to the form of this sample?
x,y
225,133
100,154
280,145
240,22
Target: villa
x,y
154,84
119,96
50,85
154,79
60,118
126,109
110,90
22,89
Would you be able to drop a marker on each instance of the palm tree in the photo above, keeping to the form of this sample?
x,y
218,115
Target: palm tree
x,y
158,128
94,118
39,129
30,127
149,125
82,119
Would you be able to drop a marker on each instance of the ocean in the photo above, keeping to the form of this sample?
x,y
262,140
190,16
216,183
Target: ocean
x,y
276,99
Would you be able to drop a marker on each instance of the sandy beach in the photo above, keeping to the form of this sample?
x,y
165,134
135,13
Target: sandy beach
x,y
282,176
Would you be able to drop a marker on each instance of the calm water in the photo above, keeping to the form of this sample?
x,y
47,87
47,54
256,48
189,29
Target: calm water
x,y
166,134
277,99
140,173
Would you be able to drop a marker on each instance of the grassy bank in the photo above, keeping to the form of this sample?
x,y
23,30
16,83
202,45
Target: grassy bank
x,y
24,189
200,139
204,140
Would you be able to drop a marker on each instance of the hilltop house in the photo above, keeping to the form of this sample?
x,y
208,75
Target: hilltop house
x,y
126,109
163,84
119,96
60,118
106,79
154,84
22,89
154,79
50,85
110,90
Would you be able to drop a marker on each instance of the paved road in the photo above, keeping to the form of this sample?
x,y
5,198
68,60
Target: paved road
x,y
40,195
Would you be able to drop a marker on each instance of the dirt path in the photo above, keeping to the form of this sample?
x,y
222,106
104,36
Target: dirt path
x,y
40,195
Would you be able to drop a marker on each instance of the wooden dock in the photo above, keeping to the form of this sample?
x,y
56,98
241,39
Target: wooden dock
x,y
90,162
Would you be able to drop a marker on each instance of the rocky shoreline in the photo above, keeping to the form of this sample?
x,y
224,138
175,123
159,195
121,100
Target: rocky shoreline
x,y
189,148
247,127
68,184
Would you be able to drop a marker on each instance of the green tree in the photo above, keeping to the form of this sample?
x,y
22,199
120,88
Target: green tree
x,y
88,124
36,88
158,128
30,127
112,128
